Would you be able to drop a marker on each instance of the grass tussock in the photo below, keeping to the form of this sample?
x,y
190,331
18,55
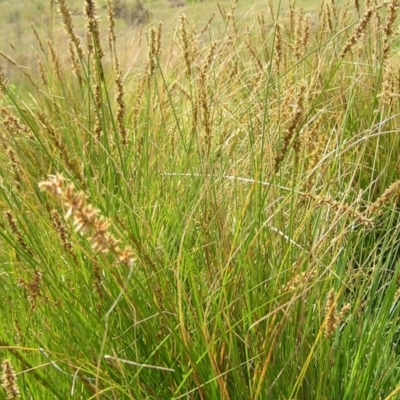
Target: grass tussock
x,y
220,223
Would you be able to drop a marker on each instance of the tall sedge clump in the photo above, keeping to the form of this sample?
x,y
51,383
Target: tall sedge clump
x,y
9,381
86,220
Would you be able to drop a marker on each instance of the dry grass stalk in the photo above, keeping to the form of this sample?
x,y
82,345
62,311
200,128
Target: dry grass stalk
x,y
75,62
31,80
330,314
298,34
111,26
16,232
61,147
299,280
392,192
222,10
9,59
33,289
289,136
388,28
9,381
98,130
54,58
61,230
205,113
256,59
136,109
388,91
361,27
204,106
86,220
292,13
140,36
207,25
231,17
210,56
278,48
3,81
342,208
41,69
93,29
271,10
203,98
15,168
152,52
332,318
119,99
12,123
334,9
345,15
315,144
187,53
98,283
357,6
38,39
306,33
65,13
263,31
398,81
328,18
158,40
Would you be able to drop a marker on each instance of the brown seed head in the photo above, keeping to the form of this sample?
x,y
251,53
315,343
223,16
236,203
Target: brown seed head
x,y
9,381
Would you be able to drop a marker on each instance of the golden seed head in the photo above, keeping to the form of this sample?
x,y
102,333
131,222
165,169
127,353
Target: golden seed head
x,y
85,218
330,314
65,13
9,381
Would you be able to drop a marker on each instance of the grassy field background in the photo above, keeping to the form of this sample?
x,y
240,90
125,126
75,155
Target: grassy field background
x,y
193,211
16,19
